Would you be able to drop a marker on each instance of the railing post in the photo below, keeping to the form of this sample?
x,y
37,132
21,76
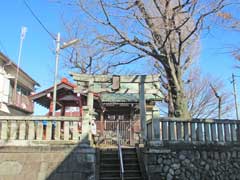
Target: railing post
x,y
155,124
234,131
200,136
39,130
22,130
57,132
214,132
220,132
66,130
165,135
193,132
227,132
49,130
13,130
187,131
172,130
31,130
4,131
238,132
75,131
207,132
180,129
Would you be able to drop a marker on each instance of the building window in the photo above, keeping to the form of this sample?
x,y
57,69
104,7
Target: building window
x,y
22,91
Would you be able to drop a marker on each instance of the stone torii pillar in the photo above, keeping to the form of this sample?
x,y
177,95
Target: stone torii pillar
x,y
85,126
142,104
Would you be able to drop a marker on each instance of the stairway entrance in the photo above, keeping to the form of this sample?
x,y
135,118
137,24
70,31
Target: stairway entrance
x,y
110,164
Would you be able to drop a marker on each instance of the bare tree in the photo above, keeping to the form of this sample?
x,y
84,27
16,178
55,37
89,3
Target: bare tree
x,y
90,55
207,97
163,30
87,56
229,19
203,93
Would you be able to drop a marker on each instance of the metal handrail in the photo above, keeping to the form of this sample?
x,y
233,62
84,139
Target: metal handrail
x,y
120,153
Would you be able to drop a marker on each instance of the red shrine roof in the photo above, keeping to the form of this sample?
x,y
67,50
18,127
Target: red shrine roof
x,y
65,92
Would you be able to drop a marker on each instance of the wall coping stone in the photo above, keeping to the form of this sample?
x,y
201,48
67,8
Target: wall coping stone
x,y
49,148
166,148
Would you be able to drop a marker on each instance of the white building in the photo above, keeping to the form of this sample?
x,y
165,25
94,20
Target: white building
x,y
9,104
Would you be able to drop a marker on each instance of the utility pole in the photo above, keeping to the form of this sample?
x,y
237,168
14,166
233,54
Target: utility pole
x,y
235,95
56,73
23,33
58,48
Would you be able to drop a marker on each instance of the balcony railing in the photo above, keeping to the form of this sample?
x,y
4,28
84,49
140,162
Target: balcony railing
x,y
38,128
194,131
23,102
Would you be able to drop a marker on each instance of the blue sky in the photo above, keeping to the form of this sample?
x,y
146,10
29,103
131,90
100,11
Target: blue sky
x,y
38,57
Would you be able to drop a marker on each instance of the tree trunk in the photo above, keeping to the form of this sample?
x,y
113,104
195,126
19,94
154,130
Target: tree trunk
x,y
177,106
170,104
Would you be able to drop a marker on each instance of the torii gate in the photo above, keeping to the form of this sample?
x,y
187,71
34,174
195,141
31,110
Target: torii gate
x,y
131,84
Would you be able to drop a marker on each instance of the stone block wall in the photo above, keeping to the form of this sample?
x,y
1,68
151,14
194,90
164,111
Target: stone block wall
x,y
54,162
193,162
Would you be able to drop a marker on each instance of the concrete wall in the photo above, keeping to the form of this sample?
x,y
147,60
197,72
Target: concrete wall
x,y
192,162
55,162
4,86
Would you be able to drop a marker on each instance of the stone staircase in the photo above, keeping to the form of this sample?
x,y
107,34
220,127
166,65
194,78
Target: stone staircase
x,y
110,164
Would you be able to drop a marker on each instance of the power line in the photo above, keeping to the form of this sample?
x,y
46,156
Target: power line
x,y
39,21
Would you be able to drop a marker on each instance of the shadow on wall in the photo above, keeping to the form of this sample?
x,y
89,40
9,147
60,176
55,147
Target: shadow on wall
x,y
79,163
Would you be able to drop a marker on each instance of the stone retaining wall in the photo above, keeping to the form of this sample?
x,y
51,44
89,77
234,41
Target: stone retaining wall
x,y
192,162
54,162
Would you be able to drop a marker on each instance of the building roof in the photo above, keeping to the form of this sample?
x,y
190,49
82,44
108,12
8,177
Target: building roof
x,y
63,88
7,60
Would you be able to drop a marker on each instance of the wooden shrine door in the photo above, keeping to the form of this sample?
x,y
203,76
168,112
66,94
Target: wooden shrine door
x,y
114,124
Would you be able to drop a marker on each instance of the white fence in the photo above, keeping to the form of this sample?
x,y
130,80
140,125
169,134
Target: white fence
x,y
195,130
39,128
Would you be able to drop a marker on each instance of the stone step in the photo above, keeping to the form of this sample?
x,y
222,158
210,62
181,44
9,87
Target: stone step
x,y
129,156
117,166
109,158
118,178
116,153
110,164
116,160
116,173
